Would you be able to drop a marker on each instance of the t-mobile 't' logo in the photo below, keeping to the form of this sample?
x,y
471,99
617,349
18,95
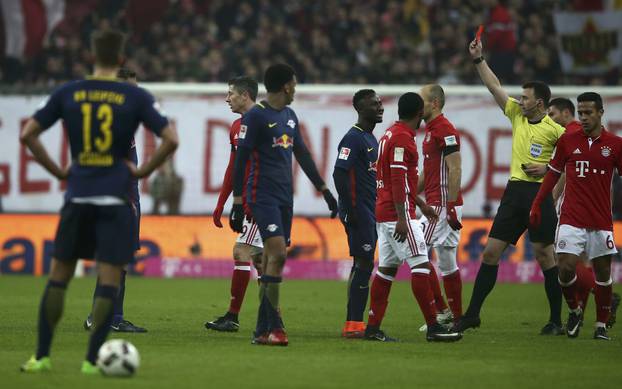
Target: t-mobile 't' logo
x,y
582,167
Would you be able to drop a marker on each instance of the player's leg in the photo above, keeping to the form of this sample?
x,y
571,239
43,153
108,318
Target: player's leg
x,y
415,253
274,224
362,243
452,281
507,227
484,283
50,312
568,281
586,283
600,247
239,282
388,263
543,239
74,239
112,224
603,294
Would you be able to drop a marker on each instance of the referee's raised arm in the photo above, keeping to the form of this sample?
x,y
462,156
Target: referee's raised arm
x,y
486,74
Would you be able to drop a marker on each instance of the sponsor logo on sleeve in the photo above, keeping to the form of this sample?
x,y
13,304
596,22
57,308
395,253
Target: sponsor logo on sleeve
x,y
398,154
451,140
344,153
242,134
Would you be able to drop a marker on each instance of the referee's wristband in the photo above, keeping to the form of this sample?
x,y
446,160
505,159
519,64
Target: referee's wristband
x,y
478,60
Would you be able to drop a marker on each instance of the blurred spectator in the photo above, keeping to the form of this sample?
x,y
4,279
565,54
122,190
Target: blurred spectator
x,y
166,189
331,41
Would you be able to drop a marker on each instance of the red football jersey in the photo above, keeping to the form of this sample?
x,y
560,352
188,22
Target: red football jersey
x,y
439,134
589,164
573,126
396,172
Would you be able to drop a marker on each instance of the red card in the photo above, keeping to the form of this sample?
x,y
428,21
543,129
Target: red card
x,y
480,30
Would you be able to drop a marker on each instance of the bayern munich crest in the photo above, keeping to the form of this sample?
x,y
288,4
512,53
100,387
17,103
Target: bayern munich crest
x,y
605,151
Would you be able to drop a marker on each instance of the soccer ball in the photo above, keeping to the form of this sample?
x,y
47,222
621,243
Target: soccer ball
x,y
118,357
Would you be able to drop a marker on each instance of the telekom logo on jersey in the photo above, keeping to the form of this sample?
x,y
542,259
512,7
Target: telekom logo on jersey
x,y
583,167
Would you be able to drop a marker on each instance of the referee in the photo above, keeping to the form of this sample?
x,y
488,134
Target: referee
x,y
534,136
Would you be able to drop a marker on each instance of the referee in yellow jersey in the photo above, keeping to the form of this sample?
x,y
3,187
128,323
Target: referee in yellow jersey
x,y
534,136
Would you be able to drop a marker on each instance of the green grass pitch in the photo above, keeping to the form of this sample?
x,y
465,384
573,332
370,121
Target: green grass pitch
x,y
179,353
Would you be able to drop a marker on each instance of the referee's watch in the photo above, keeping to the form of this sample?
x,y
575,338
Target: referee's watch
x,y
478,59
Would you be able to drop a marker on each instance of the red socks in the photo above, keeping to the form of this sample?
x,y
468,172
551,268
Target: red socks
x,y
569,290
585,283
379,293
453,290
239,281
421,287
602,296
436,290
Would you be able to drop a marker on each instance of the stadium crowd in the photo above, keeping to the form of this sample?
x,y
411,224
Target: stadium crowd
x,y
334,41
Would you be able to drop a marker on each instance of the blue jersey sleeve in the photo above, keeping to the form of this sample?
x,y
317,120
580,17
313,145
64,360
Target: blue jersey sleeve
x,y
249,129
150,113
347,151
50,111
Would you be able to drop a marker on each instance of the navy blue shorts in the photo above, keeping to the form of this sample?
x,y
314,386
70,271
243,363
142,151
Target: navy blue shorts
x,y
362,239
273,220
104,233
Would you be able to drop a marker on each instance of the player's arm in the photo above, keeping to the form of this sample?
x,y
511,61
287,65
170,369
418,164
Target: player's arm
x,y
421,183
453,160
486,74
426,210
559,188
30,138
398,150
556,168
167,147
303,156
225,190
153,119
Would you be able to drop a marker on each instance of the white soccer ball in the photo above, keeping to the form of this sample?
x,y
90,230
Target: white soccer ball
x,y
118,357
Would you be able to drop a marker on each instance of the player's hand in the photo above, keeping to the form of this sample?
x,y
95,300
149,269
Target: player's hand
x,y
475,48
331,202
135,171
64,173
236,218
429,213
216,216
350,219
401,230
452,216
534,169
535,215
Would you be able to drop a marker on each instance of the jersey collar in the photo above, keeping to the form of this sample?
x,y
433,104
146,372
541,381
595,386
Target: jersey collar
x,y
102,78
435,121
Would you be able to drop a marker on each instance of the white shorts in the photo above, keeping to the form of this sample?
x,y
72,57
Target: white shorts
x,y
250,235
439,233
595,243
392,253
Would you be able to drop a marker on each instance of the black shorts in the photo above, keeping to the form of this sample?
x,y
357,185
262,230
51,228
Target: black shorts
x,y
512,217
362,239
273,220
104,233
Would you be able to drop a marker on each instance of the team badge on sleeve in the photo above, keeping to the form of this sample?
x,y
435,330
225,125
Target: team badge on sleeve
x,y
451,140
344,153
242,133
398,154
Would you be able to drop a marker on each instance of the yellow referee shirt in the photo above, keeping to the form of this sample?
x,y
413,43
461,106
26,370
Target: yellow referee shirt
x,y
531,143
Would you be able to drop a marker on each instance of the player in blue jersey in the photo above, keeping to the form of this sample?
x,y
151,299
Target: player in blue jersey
x,y
101,115
269,135
119,324
355,180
